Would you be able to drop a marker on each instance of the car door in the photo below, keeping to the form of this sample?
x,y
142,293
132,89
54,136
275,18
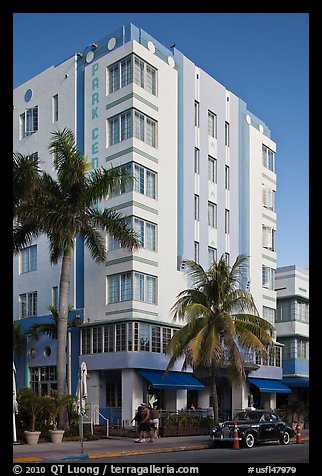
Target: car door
x,y
267,426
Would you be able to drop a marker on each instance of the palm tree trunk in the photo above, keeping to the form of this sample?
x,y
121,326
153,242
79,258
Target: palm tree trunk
x,y
214,396
62,334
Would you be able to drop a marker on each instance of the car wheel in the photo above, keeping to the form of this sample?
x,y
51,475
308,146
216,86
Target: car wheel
x,y
214,442
249,440
285,438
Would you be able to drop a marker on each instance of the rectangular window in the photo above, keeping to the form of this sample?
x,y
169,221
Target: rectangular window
x,y
113,288
268,158
226,177
145,181
28,304
212,215
28,122
196,207
86,341
268,277
227,258
151,291
114,78
108,338
151,79
138,287
28,259
150,178
113,394
120,337
227,134
132,123
139,125
55,108
302,311
212,256
126,125
150,236
212,125
97,340
226,221
212,169
156,339
150,136
269,315
144,337
268,237
139,71
126,71
197,161
132,69
166,337
283,312
268,198
196,252
302,349
196,114
132,286
126,286
114,131
54,297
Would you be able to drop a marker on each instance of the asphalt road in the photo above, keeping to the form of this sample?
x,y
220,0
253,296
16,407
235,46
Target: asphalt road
x,y
265,454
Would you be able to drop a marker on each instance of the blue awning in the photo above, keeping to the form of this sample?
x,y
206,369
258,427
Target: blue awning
x,y
269,385
173,381
296,381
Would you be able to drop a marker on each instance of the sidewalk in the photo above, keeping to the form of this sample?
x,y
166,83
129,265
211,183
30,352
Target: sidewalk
x,y
111,447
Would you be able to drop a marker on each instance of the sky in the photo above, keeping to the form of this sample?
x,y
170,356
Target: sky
x,y
263,58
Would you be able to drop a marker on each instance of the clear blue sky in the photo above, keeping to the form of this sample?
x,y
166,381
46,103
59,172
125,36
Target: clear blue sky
x,y
261,57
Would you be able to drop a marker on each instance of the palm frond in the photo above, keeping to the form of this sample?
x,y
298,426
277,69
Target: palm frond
x,y
102,182
196,273
233,359
111,222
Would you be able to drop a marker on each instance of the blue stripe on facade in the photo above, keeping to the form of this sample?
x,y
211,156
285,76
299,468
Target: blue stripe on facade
x,y
80,121
243,146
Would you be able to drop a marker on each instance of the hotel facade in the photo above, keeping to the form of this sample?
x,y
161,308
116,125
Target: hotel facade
x,y
205,183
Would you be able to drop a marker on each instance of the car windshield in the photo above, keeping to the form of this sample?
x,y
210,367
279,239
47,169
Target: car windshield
x,y
248,416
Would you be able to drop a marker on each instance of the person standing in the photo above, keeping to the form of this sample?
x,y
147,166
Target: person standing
x,y
155,418
144,424
137,417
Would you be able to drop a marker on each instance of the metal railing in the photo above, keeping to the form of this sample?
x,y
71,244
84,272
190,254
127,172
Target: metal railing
x,y
95,412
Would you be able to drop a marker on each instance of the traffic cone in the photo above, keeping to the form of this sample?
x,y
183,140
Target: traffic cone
x,y
236,441
298,432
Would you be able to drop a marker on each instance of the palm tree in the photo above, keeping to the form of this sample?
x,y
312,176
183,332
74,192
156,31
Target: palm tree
x,y
64,209
19,345
48,328
26,175
221,322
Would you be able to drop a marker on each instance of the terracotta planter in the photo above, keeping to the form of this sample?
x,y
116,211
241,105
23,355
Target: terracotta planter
x,y
56,436
32,437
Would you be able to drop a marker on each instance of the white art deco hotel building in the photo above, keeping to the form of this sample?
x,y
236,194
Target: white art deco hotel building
x,y
205,184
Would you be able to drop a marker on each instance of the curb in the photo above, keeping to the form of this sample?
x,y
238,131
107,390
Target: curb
x,y
113,454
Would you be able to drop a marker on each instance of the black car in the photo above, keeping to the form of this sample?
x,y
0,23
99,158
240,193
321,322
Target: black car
x,y
254,426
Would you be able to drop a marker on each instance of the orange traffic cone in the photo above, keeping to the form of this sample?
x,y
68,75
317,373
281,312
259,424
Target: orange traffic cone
x,y
298,432
236,441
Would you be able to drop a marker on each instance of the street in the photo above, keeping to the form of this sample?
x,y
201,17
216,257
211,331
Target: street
x,y
267,453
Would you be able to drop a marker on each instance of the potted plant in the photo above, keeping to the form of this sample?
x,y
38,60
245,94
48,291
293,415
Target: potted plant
x,y
52,407
31,405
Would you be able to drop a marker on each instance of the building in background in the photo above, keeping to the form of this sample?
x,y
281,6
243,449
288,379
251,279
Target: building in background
x,y
292,328
205,183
